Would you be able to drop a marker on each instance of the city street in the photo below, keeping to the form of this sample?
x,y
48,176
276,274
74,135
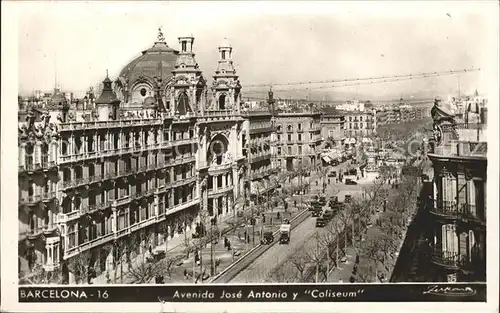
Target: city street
x,y
302,239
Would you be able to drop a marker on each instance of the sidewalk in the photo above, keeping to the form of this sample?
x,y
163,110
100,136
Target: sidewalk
x,y
176,248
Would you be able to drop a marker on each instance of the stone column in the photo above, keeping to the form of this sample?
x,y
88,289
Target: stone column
x,y
230,203
214,185
235,182
215,208
115,218
172,101
156,205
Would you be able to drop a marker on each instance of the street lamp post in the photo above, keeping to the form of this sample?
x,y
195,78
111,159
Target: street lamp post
x,y
213,221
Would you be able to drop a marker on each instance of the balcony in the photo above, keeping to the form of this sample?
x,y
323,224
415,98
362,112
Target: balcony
x,y
48,196
91,208
462,149
122,200
469,213
182,160
66,217
447,259
447,209
49,229
259,157
34,233
184,141
465,212
32,200
183,181
220,190
88,245
220,167
112,124
261,130
94,179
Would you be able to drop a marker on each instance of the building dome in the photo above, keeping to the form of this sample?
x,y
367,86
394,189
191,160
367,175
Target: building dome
x,y
157,61
140,78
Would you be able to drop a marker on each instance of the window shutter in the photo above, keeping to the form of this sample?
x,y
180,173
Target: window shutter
x,y
444,238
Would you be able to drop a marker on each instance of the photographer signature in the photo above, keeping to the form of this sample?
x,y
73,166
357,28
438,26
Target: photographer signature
x,y
449,291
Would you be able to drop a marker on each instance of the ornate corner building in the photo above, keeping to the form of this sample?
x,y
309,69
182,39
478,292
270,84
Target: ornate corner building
x,y
155,149
456,209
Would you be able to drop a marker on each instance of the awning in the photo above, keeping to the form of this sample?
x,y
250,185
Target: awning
x,y
327,159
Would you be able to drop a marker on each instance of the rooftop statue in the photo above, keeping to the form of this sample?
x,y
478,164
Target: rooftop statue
x,y
160,35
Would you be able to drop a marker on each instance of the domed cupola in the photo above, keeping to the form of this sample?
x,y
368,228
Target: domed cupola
x,y
146,74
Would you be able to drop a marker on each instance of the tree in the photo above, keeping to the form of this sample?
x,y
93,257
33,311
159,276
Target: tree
x,y
120,253
41,276
169,262
79,266
143,271
365,272
316,256
299,262
281,274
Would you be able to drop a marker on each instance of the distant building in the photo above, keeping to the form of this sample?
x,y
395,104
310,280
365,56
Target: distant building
x,y
359,124
298,139
354,105
332,127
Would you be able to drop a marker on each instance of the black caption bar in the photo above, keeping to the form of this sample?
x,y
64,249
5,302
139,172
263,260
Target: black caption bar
x,y
260,293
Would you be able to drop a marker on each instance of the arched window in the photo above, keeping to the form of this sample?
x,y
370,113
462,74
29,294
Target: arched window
x,y
222,102
183,104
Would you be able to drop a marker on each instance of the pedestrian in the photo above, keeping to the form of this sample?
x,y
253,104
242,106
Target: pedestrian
x,y
185,274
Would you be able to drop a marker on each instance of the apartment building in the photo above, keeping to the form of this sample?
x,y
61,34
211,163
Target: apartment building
x,y
258,143
143,160
332,128
359,124
457,207
298,139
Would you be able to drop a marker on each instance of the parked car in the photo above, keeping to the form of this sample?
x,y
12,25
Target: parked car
x,y
267,238
320,222
350,182
328,215
332,174
317,213
347,198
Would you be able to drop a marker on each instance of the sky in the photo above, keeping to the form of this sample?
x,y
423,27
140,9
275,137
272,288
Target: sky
x,y
273,42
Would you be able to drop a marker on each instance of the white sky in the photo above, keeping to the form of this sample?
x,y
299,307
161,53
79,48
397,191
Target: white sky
x,y
273,41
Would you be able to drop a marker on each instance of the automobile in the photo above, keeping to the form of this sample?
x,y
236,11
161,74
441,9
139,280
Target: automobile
x,y
320,222
317,213
332,174
316,204
347,198
328,215
322,201
349,181
267,238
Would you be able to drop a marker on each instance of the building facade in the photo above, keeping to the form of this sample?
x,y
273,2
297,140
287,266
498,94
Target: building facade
x,y
332,129
359,124
457,207
298,139
156,148
258,137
